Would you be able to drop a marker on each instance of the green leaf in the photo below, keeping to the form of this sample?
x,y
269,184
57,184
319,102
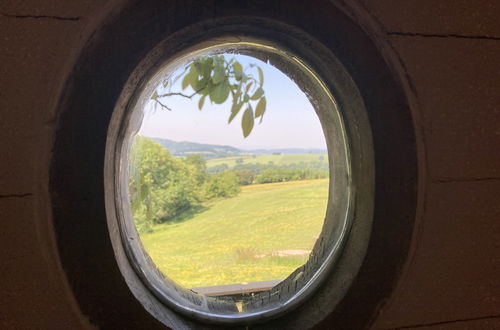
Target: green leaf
x,y
246,98
207,67
219,93
201,102
237,96
154,96
186,81
199,67
261,76
206,90
261,108
219,75
199,84
237,66
258,93
238,71
238,75
247,122
248,86
235,109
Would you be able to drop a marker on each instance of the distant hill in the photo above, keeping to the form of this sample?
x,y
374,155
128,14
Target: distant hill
x,y
286,151
209,151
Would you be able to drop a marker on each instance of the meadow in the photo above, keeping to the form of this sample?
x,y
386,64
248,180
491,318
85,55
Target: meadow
x,y
241,239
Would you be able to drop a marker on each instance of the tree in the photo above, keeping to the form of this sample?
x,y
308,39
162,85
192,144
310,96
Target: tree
x,y
216,78
161,186
245,177
198,168
224,184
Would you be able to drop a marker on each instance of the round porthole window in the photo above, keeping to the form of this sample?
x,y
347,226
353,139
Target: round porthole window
x,y
157,188
226,197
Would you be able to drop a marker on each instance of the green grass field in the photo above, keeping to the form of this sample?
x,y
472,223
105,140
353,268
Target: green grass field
x,y
233,239
278,160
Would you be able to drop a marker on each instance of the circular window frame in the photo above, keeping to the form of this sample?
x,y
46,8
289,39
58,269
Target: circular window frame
x,y
299,63
106,289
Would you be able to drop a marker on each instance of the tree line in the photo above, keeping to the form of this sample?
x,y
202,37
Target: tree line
x,y
163,187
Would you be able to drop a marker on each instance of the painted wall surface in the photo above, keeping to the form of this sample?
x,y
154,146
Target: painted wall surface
x,y
449,52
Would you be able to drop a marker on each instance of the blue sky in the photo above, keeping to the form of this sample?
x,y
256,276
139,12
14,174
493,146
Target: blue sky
x,y
289,121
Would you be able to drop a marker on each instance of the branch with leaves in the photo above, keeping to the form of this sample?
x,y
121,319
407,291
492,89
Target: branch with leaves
x,y
216,78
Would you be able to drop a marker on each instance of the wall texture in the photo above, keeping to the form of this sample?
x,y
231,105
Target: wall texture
x,y
447,53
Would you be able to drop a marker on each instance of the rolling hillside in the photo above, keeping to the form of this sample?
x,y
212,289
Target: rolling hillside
x,y
209,151
242,239
184,148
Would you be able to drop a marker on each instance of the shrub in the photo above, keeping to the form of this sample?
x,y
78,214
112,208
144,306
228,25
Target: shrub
x,y
225,184
245,177
218,168
282,175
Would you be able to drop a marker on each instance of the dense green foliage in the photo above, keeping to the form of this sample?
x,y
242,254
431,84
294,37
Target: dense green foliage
x,y
258,163
225,184
162,186
281,175
272,168
245,177
216,78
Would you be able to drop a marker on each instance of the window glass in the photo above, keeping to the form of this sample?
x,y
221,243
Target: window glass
x,y
228,175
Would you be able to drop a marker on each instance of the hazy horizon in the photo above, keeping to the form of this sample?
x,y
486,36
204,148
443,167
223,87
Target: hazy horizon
x,y
229,145
289,122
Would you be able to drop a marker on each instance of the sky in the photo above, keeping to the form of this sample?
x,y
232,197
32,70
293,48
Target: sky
x,y
289,121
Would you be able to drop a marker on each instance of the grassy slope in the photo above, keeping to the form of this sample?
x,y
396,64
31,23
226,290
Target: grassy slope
x,y
203,251
264,159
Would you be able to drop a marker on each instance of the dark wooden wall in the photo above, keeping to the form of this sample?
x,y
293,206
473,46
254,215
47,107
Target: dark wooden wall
x,y
446,52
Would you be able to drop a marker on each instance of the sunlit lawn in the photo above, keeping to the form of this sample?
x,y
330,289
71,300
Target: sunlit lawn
x,y
225,244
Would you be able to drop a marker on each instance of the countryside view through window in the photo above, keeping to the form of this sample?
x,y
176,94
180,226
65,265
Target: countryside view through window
x,y
228,175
